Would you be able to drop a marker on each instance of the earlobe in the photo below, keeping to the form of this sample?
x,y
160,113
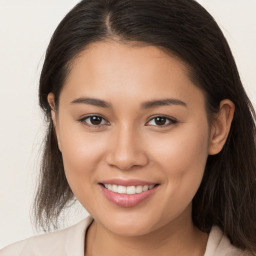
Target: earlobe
x,y
51,102
221,126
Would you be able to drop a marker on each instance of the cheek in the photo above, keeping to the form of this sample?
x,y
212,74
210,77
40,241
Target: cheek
x,y
181,158
184,149
81,153
80,148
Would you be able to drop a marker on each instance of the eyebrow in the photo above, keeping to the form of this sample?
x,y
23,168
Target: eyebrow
x,y
144,105
163,102
92,101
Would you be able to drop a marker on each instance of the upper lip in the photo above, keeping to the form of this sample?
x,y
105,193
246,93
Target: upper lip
x,y
130,182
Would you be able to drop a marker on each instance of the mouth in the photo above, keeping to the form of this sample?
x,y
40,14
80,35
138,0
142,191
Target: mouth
x,y
128,193
128,190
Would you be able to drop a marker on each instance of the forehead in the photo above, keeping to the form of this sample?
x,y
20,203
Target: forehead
x,y
115,70
106,56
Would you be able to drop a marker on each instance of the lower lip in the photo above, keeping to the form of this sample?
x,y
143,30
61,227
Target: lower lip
x,y
125,200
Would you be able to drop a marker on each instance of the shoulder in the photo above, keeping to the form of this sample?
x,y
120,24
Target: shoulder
x,y
219,245
69,241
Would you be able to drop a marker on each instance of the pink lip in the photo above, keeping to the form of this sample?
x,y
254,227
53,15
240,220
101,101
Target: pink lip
x,y
125,200
126,183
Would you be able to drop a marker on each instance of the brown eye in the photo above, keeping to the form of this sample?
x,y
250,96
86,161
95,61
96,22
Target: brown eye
x,y
94,121
161,121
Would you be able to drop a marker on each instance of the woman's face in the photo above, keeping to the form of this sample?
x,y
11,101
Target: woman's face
x,y
130,117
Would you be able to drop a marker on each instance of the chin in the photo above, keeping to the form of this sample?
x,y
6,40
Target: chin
x,y
130,225
129,230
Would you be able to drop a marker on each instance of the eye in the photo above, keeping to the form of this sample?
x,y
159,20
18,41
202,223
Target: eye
x,y
161,121
94,121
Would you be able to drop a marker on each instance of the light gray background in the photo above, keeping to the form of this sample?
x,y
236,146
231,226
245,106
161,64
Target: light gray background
x,y
25,30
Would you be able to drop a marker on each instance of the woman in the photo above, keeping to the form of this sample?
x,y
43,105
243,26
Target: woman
x,y
150,129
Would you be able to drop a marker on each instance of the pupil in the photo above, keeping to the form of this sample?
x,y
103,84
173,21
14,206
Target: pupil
x,y
160,120
96,120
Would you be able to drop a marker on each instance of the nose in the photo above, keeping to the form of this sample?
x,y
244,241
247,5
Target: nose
x,y
126,150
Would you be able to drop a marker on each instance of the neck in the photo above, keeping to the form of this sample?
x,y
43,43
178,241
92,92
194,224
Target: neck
x,y
179,237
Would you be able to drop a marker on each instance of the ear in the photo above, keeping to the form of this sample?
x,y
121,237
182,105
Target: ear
x,y
221,126
51,102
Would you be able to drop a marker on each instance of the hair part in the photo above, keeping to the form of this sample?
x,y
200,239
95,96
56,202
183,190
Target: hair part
x,y
226,196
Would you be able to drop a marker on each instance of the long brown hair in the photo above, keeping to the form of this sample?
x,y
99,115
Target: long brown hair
x,y
227,194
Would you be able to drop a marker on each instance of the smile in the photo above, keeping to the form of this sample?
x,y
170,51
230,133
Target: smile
x,y
128,190
127,193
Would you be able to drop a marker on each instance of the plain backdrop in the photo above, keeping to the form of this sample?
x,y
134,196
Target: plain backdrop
x,y
25,30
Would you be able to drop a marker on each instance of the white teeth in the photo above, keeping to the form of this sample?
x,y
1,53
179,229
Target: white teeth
x,y
121,189
138,189
114,188
109,186
130,190
144,188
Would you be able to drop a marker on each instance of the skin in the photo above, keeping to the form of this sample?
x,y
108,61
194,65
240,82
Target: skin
x,y
130,144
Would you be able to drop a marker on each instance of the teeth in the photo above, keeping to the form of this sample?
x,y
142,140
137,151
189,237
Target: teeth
x,y
130,190
114,188
144,188
138,189
121,189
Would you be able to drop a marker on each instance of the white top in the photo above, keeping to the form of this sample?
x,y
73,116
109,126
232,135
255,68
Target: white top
x,y
70,242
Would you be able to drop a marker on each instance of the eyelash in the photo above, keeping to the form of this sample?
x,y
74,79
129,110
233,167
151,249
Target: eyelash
x,y
83,121
171,121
